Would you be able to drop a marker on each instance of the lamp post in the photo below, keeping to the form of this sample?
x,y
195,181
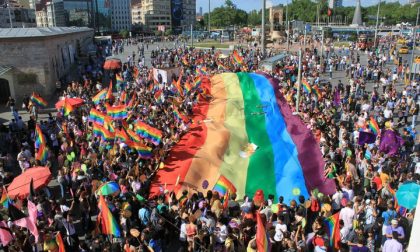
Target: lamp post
x,y
263,28
287,23
414,44
299,80
377,22
209,18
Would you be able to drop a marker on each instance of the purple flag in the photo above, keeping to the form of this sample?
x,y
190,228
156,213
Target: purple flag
x,y
366,138
390,142
337,97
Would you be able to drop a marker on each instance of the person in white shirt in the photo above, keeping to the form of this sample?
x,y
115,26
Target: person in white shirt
x,y
281,228
347,215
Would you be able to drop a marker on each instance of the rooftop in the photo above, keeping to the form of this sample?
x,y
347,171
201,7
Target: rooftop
x,y
40,31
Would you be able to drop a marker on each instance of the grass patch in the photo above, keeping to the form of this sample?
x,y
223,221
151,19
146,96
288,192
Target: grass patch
x,y
209,45
341,43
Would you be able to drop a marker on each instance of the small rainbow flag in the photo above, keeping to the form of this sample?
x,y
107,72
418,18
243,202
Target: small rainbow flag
x,y
108,123
333,230
306,86
223,185
4,200
67,107
148,132
60,243
109,92
107,220
262,238
185,61
158,96
99,96
38,100
42,154
133,135
197,82
123,97
144,151
39,137
100,131
237,58
119,79
373,125
179,116
177,85
188,86
222,66
117,112
132,101
96,116
201,70
122,135
317,91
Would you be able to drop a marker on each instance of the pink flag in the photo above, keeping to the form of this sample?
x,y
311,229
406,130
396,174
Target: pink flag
x,y
5,235
30,221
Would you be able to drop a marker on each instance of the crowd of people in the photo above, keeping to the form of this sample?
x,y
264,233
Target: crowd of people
x,y
366,178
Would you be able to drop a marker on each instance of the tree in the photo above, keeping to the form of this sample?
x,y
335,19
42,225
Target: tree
x,y
254,18
124,33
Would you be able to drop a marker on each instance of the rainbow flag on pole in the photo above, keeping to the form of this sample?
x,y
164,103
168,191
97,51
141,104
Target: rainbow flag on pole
x,y
96,116
38,100
333,230
42,153
100,131
223,185
133,135
373,125
316,90
148,132
144,151
179,116
197,82
4,200
109,95
39,137
67,107
99,96
306,86
237,58
60,243
262,238
117,112
107,220
122,135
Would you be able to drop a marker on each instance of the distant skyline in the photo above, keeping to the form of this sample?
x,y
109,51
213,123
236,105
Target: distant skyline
x,y
249,5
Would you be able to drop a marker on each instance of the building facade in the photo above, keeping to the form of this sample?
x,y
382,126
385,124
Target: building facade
x,y
155,13
120,15
136,14
17,17
56,15
33,59
188,14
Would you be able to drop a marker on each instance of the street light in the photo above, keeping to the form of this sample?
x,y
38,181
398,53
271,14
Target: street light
x,y
263,28
377,21
414,44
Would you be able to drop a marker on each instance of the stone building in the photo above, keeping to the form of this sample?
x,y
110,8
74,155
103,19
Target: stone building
x,y
33,59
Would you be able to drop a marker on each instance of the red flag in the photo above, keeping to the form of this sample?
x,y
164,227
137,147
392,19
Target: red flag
x,y
329,12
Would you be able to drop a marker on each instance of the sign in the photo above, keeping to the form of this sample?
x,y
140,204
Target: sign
x,y
165,73
161,28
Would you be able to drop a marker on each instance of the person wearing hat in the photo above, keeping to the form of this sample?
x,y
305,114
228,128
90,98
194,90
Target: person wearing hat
x,y
394,227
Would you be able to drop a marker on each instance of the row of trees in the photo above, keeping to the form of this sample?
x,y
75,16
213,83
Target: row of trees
x,y
306,10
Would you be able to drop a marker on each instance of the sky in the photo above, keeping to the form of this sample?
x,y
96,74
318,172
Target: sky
x,y
249,5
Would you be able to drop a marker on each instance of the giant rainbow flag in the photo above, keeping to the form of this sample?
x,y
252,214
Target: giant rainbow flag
x,y
246,109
